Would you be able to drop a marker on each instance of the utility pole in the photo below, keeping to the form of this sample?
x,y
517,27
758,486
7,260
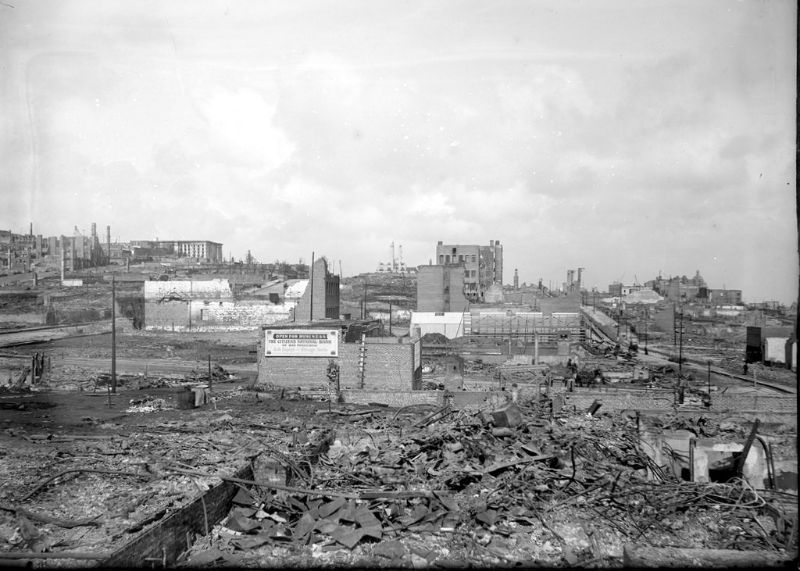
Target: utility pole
x,y
390,319
709,381
680,350
645,329
113,334
364,303
674,324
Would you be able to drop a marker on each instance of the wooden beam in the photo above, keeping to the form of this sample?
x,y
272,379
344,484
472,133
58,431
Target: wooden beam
x,y
166,540
678,557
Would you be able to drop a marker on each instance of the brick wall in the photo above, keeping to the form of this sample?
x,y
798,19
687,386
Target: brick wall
x,y
394,399
166,315
478,399
230,315
389,366
615,399
292,371
325,294
460,400
211,289
430,288
767,403
431,282
455,296
212,315
36,318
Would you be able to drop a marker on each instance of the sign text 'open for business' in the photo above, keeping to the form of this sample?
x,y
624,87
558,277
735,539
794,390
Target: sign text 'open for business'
x,y
301,343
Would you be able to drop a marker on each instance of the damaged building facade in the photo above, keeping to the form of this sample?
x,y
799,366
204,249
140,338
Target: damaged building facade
x,y
29,252
212,305
482,266
200,250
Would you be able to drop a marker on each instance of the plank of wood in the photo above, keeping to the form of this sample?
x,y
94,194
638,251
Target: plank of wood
x,y
100,555
165,540
68,524
678,557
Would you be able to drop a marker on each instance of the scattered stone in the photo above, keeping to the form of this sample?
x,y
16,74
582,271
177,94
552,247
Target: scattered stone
x,y
507,416
390,549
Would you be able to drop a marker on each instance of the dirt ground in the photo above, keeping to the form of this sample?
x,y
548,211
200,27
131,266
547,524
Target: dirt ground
x,y
487,497
82,472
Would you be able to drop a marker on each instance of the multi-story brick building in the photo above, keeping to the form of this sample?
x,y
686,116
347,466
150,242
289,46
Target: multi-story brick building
x,y
482,265
441,289
721,296
204,250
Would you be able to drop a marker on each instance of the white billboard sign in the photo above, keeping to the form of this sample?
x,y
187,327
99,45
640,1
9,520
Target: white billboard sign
x,y
301,343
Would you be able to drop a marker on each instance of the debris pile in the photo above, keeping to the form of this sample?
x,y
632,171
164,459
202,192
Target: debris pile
x,y
434,339
217,374
493,487
417,486
148,404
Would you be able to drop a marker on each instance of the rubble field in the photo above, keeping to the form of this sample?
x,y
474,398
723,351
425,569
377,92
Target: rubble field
x,y
360,485
84,472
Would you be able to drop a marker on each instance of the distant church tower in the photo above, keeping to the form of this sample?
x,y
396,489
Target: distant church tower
x,y
516,280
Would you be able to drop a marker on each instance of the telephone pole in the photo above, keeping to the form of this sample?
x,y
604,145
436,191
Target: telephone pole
x,y
113,334
674,324
364,303
645,329
680,349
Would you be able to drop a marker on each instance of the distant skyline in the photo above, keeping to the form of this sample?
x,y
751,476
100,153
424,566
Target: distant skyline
x,y
624,137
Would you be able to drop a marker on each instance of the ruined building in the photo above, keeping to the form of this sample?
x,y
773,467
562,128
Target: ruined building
x,y
200,250
441,288
213,305
321,295
26,252
482,265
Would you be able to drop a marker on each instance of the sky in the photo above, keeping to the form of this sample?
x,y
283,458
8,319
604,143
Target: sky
x,y
630,138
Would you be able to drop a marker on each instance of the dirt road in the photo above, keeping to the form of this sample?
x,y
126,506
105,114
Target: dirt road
x,y
149,366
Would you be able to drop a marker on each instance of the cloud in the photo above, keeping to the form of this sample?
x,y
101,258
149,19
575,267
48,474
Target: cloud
x,y
573,134
241,130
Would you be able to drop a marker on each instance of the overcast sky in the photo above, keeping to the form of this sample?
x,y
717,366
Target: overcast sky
x,y
627,137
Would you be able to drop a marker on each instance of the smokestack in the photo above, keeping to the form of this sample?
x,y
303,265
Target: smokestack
x,y
108,243
94,231
31,229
